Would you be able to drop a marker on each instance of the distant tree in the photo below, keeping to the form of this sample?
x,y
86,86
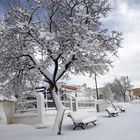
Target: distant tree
x,y
119,87
107,92
52,38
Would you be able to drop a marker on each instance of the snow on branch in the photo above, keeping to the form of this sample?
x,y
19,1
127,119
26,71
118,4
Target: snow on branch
x,y
43,71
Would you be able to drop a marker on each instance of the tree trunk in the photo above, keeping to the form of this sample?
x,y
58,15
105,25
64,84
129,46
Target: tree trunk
x,y
60,114
130,95
124,97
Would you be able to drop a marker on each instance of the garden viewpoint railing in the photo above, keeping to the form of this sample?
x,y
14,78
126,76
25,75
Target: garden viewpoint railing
x,y
72,104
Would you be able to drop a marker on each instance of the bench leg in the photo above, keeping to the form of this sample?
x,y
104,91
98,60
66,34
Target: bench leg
x,y
113,114
81,125
92,123
122,110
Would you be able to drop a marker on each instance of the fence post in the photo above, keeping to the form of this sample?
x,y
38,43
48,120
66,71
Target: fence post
x,y
76,104
40,108
3,118
71,104
96,104
46,102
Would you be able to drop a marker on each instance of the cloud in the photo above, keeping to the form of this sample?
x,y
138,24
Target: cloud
x,y
125,17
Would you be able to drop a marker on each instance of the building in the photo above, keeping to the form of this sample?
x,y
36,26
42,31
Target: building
x,y
136,92
80,91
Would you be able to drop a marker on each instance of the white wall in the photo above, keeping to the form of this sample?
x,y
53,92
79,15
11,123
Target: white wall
x,y
6,111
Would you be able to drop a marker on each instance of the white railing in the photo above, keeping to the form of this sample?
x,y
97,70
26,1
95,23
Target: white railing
x,y
42,106
70,104
49,104
26,106
86,104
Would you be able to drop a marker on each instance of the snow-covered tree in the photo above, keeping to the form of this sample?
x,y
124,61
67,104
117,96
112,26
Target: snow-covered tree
x,y
119,87
107,92
53,38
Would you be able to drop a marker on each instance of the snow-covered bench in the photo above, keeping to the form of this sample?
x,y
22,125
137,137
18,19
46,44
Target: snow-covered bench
x,y
121,108
82,118
112,112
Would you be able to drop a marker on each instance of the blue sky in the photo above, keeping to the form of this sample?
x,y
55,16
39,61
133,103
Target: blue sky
x,y
3,7
125,17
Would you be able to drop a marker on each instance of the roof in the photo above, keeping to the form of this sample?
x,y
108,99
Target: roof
x,y
68,87
136,91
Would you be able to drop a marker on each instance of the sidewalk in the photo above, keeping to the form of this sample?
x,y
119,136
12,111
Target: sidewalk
x,y
124,127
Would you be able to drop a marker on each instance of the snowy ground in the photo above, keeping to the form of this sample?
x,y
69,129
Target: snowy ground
x,y
124,127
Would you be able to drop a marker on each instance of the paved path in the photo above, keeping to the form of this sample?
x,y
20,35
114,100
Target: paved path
x,y
124,127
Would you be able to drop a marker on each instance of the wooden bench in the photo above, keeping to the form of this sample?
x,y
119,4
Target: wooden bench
x,y
82,118
112,112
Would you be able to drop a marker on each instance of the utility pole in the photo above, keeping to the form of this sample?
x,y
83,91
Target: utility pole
x,y
97,93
